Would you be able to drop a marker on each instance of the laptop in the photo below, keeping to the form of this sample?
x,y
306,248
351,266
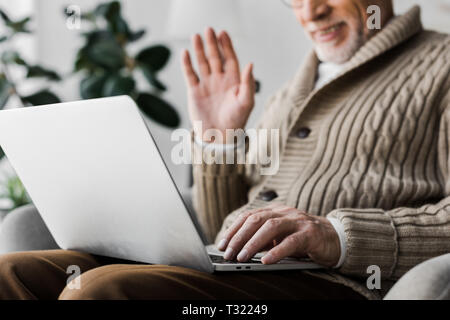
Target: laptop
x,y
95,174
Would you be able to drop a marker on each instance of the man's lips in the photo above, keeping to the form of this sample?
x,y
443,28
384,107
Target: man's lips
x,y
328,33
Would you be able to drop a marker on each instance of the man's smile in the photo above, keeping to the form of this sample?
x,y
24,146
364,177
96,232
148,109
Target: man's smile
x,y
328,33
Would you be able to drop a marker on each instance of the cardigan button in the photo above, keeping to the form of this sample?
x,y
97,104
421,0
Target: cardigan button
x,y
303,133
268,195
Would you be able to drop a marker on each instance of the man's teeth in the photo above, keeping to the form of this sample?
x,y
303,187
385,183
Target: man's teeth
x,y
330,30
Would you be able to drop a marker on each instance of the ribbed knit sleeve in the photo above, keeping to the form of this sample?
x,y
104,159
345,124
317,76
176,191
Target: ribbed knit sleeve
x,y
218,189
397,240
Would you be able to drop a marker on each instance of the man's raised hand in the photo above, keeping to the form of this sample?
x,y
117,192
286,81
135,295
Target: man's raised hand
x,y
219,95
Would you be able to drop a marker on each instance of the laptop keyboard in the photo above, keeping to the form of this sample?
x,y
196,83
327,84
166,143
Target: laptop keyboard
x,y
220,259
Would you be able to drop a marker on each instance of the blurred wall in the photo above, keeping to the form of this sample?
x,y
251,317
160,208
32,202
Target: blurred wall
x,y
274,42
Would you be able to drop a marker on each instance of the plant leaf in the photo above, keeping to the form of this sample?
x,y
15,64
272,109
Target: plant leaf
x,y
16,26
122,31
3,38
111,13
5,90
82,61
119,26
107,53
117,85
134,36
12,57
4,16
108,10
89,16
41,97
158,110
19,26
151,78
16,192
97,35
92,86
38,71
154,58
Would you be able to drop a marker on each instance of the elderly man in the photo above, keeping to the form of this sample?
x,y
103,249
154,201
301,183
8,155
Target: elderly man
x,y
364,176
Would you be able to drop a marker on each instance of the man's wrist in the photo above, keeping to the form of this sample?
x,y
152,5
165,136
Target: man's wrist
x,y
339,228
213,137
214,145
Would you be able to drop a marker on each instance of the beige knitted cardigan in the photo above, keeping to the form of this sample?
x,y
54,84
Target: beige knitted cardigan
x,y
377,157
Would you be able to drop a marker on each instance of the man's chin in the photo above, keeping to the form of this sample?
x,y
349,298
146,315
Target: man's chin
x,y
337,56
339,52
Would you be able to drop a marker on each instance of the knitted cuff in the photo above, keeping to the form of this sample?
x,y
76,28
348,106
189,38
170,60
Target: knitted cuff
x,y
371,239
218,159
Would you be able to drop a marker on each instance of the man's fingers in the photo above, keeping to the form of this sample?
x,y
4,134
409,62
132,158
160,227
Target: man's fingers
x,y
188,70
271,229
295,243
199,49
215,60
229,54
240,220
246,232
235,226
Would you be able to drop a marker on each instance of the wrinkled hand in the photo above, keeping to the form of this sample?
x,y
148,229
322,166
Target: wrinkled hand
x,y
219,96
285,232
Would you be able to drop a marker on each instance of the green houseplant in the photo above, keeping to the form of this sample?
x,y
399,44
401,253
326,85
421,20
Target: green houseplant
x,y
109,69
10,58
14,193
11,188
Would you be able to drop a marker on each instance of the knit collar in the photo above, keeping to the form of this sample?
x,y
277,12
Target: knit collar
x,y
400,29
397,31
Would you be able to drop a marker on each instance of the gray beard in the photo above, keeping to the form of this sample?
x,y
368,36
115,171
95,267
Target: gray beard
x,y
344,54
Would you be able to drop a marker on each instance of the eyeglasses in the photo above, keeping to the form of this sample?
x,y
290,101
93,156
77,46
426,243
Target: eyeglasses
x,y
293,3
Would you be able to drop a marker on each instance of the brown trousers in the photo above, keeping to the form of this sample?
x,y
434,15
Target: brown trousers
x,y
43,275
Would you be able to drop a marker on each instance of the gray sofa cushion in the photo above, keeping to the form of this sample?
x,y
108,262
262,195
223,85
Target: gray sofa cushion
x,y
23,230
429,280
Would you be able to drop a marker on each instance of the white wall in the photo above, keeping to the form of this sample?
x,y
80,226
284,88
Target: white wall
x,y
435,13
274,42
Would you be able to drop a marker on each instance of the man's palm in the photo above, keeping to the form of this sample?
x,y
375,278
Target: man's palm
x,y
221,98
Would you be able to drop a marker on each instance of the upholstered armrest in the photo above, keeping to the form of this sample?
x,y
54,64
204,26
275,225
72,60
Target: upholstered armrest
x,y
23,230
428,280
